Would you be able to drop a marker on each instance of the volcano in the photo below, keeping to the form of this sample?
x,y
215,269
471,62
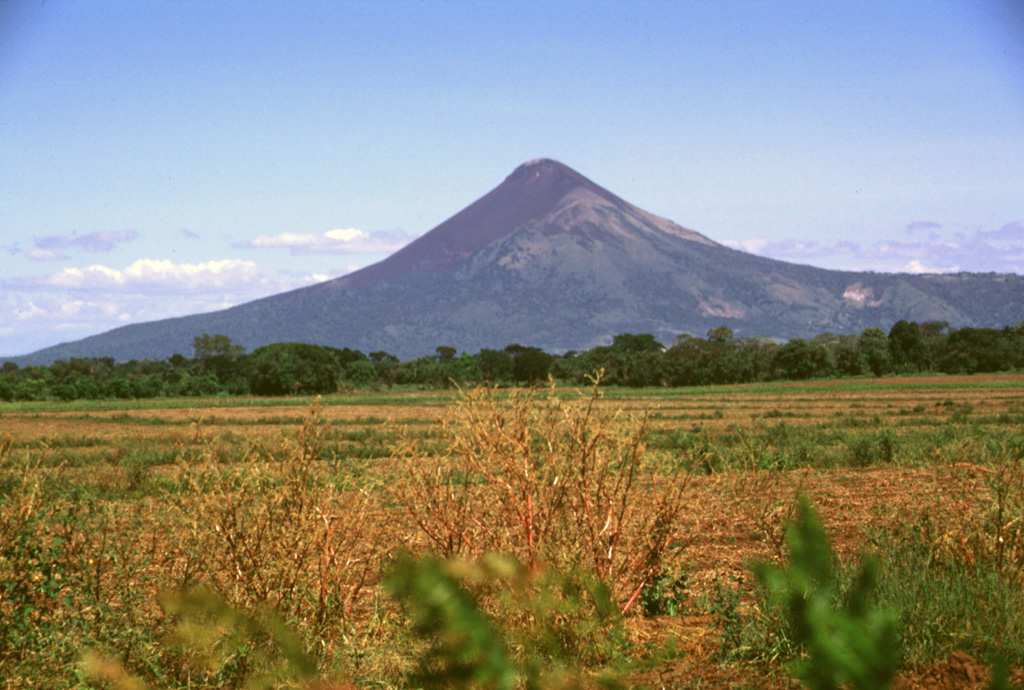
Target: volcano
x,y
550,259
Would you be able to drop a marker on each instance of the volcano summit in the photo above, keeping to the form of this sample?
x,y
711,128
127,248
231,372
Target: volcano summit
x,y
550,259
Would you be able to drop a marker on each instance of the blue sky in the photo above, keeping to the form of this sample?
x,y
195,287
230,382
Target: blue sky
x,y
166,158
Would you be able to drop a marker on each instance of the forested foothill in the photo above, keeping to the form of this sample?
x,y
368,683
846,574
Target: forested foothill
x,y
221,367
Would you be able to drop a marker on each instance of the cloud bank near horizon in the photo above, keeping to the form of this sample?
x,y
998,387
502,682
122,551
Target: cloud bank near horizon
x,y
927,247
73,303
76,301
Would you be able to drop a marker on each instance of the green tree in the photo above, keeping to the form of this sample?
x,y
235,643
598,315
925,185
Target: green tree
x,y
529,364
934,334
722,356
496,366
148,386
611,359
719,359
754,359
874,345
979,350
386,366
462,369
687,362
636,344
219,356
444,353
382,356
178,361
802,359
361,373
208,346
848,355
909,353
285,368
640,359
720,334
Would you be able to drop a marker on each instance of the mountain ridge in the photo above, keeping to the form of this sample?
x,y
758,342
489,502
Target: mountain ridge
x,y
538,188
551,259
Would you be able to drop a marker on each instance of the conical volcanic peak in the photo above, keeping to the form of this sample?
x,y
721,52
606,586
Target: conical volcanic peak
x,y
546,182
535,192
550,259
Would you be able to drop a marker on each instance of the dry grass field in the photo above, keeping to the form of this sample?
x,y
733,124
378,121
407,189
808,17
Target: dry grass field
x,y
300,543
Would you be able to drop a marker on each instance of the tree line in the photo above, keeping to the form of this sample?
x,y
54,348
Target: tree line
x,y
221,367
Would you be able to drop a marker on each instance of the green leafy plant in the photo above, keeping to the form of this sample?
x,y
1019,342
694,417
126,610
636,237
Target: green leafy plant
x,y
465,649
494,623
666,594
848,640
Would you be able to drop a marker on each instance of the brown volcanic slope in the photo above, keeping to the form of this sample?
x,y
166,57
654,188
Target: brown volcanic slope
x,y
538,189
549,258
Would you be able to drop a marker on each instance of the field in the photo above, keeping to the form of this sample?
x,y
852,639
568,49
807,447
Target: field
x,y
296,542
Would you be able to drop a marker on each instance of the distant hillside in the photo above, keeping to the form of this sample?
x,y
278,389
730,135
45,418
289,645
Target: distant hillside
x,y
550,259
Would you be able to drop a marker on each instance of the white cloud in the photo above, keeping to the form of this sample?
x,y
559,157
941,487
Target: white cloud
x,y
204,276
345,235
338,241
754,245
27,312
160,274
792,248
916,266
285,239
928,248
76,302
89,277
30,324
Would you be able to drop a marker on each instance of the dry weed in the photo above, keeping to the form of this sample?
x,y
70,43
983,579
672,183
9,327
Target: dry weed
x,y
270,531
554,484
986,527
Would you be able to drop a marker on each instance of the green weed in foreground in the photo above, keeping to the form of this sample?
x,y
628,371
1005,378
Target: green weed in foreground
x,y
946,606
487,624
849,641
913,602
953,577
495,624
464,644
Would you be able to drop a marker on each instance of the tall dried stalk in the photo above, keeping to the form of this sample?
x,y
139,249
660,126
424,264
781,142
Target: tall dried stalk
x,y
273,532
555,484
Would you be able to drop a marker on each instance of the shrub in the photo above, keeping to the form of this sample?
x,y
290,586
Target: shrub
x,y
554,484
